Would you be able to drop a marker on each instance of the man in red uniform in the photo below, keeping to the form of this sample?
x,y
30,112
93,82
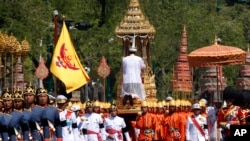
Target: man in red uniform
x,y
231,114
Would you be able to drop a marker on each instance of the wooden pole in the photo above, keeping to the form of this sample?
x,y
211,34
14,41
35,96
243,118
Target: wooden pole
x,y
12,73
104,87
4,71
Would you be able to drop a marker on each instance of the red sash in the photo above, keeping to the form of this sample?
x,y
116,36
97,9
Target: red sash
x,y
113,131
198,126
97,133
68,114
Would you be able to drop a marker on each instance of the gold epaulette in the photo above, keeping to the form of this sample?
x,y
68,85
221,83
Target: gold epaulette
x,y
223,124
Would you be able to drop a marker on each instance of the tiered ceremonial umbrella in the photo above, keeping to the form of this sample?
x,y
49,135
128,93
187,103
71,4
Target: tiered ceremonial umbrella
x,y
216,55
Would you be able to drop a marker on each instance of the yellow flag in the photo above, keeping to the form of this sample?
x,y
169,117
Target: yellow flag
x,y
65,64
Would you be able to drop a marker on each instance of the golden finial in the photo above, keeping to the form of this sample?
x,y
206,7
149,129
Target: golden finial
x,y
25,47
215,40
2,43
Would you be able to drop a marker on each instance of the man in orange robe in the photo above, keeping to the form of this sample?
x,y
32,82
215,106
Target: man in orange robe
x,y
145,122
159,115
174,125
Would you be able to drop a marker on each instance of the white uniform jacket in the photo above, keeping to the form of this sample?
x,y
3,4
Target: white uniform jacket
x,y
113,126
193,133
92,126
68,118
81,122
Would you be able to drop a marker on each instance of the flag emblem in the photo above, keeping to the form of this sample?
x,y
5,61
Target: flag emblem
x,y
65,61
65,64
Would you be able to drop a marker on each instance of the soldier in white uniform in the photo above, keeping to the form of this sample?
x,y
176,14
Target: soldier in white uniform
x,y
67,119
115,126
93,127
81,122
196,129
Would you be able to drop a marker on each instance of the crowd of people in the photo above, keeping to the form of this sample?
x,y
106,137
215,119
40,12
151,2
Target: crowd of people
x,y
197,120
32,115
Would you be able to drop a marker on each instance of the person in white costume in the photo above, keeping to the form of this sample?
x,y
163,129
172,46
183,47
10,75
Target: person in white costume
x,y
81,122
67,119
212,123
196,128
93,127
132,66
115,126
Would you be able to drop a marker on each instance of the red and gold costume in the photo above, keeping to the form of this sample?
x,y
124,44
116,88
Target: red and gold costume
x,y
230,115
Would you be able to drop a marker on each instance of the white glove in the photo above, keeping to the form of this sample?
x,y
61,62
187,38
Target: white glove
x,y
228,126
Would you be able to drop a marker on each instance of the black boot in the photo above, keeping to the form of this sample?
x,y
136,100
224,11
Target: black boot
x,y
131,102
124,101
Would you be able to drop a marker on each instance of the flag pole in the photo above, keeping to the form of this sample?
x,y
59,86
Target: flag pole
x,y
104,89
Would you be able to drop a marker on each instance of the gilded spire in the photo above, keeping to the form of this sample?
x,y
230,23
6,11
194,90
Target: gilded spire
x,y
134,21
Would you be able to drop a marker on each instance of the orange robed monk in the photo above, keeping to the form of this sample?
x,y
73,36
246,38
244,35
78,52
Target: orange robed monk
x,y
145,122
174,125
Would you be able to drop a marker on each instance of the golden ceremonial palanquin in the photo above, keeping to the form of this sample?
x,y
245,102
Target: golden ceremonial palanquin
x,y
135,25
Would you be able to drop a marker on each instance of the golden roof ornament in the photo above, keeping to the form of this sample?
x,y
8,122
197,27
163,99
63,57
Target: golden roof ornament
x,y
89,104
18,94
42,91
160,105
83,105
163,103
96,104
13,45
154,104
172,102
167,104
144,104
2,43
29,90
25,47
177,102
7,95
134,21
113,107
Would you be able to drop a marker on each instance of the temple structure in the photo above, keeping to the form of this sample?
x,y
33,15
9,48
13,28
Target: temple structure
x,y
181,84
135,25
243,81
19,75
213,82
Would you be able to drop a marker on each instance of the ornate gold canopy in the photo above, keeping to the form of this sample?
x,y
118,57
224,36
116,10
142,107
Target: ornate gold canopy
x,y
134,21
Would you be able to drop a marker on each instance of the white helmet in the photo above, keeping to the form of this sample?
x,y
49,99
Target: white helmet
x,y
196,106
169,98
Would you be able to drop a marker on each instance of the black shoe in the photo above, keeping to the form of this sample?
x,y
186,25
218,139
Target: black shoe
x,y
131,102
124,101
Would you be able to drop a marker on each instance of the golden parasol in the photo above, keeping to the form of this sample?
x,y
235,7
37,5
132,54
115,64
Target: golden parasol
x,y
216,55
